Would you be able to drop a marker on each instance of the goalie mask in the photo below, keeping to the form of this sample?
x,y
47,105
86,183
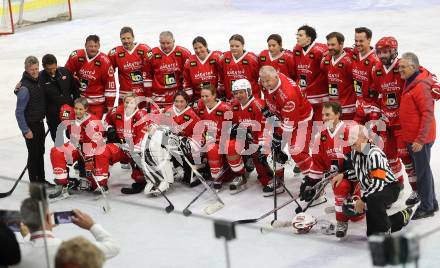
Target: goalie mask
x,y
303,223
348,207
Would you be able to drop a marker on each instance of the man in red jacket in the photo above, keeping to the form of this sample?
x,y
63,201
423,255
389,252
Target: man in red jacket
x,y
418,129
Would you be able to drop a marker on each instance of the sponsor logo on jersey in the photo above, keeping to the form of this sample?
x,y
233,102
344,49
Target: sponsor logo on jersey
x,y
74,53
121,55
245,62
326,62
367,62
81,59
297,53
341,136
379,73
323,138
119,117
235,108
289,107
227,60
201,112
97,63
219,113
149,54
178,54
193,63
141,52
340,65
263,58
212,61
311,55
355,57
250,109
186,117
395,70
168,114
157,56
281,61
112,52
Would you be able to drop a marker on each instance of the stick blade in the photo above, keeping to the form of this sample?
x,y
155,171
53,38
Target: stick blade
x,y
245,221
213,208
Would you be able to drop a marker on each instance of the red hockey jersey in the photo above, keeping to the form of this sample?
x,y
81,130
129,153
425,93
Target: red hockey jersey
x,y
128,127
233,69
96,77
214,118
283,63
87,133
131,67
166,73
250,116
361,69
198,73
287,102
182,123
340,81
333,146
309,76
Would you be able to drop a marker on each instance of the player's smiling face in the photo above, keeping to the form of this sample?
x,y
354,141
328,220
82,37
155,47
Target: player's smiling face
x,y
274,47
334,48
361,42
129,104
384,54
200,50
329,117
180,103
166,43
302,39
127,40
237,48
241,96
33,70
269,82
92,48
208,98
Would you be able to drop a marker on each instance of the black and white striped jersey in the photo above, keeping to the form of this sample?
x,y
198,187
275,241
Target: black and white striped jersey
x,y
372,170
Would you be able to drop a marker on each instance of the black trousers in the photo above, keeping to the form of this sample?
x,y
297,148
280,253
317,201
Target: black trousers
x,y
377,219
35,147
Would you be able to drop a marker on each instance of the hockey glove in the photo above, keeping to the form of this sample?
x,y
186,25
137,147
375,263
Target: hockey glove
x,y
185,145
276,142
111,135
306,190
234,129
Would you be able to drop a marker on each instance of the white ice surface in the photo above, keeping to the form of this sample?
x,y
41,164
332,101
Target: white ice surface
x,y
151,238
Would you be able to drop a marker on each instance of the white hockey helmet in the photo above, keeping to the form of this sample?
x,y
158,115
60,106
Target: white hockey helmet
x,y
242,84
303,223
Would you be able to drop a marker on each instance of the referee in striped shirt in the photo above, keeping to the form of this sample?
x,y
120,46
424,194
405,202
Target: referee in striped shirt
x,y
379,186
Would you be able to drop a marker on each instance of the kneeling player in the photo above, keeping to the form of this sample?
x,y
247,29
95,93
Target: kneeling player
x,y
85,135
332,149
124,124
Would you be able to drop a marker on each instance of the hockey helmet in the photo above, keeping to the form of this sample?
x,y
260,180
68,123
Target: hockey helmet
x,y
303,223
348,207
387,42
242,84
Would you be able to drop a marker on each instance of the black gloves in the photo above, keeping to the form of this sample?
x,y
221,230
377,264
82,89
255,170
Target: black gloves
x,y
306,190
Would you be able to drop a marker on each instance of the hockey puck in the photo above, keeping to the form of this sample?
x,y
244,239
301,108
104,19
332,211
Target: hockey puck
x,y
187,212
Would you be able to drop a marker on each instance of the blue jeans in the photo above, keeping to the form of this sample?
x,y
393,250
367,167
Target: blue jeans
x,y
425,180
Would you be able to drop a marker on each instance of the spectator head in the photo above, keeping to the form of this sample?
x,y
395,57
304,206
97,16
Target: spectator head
x,y
31,66
49,62
166,40
30,214
305,35
127,38
92,45
268,77
408,65
79,253
335,43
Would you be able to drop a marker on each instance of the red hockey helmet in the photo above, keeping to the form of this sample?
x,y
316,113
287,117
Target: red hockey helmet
x,y
387,42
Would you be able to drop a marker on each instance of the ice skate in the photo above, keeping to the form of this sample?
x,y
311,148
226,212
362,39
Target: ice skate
x,y
341,229
238,184
268,190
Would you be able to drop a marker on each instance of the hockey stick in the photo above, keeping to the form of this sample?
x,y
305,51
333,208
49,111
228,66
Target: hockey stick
x,y
106,206
319,187
8,193
213,207
137,159
186,210
265,214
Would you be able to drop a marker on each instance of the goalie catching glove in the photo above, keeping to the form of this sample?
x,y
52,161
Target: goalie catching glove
x,y
307,190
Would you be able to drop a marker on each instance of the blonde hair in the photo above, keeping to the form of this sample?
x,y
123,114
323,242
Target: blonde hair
x,y
79,252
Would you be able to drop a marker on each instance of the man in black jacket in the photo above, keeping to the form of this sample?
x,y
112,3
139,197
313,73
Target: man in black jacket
x,y
59,88
30,112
